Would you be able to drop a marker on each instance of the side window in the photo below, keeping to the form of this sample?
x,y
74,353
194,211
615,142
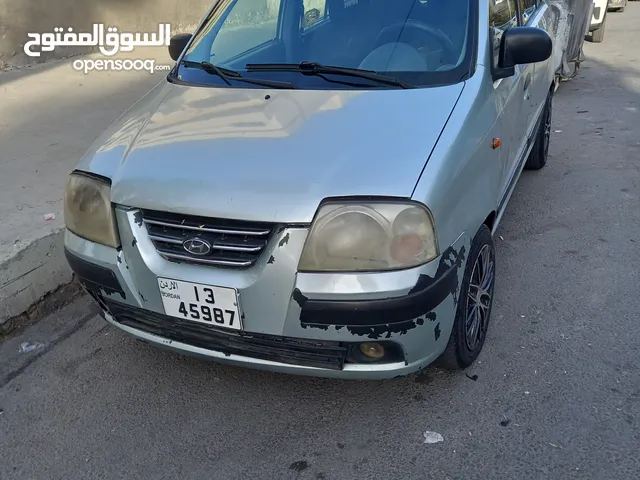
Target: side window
x,y
527,8
314,12
502,16
249,24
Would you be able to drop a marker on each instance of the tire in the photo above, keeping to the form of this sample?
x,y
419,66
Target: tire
x,y
598,35
540,151
461,352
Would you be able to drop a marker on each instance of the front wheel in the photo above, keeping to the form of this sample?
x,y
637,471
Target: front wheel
x,y
475,300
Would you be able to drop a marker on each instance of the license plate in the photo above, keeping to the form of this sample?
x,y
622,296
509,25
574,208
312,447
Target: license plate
x,y
217,306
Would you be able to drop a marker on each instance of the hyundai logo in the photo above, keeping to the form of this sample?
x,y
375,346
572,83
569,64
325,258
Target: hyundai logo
x,y
197,246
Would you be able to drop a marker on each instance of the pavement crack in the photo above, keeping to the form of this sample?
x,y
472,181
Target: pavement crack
x,y
22,276
78,325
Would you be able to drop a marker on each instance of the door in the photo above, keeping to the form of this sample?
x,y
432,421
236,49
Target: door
x,y
508,94
543,72
530,15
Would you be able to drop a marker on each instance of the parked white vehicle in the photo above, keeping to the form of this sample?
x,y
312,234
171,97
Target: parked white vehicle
x,y
598,20
617,5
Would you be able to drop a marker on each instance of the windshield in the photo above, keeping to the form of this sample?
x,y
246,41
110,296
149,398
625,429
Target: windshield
x,y
419,42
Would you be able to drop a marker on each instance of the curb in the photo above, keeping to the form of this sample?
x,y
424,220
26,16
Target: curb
x,y
31,274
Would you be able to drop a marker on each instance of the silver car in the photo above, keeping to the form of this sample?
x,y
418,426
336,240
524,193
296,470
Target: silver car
x,y
314,187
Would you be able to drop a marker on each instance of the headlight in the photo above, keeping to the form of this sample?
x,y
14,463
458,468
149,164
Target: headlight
x,y
88,212
349,237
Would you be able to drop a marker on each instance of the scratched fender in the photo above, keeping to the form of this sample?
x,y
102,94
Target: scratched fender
x,y
371,318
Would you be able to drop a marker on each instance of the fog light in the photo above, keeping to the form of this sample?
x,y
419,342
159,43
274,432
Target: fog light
x,y
374,351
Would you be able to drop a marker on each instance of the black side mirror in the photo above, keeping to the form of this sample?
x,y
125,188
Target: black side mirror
x,y
177,44
519,46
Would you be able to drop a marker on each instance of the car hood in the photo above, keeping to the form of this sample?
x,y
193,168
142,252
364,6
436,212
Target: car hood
x,y
268,155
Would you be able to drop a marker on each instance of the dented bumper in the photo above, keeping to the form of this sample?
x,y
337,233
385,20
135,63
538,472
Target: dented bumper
x,y
300,323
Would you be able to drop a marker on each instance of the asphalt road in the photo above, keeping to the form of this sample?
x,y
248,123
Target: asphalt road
x,y
557,393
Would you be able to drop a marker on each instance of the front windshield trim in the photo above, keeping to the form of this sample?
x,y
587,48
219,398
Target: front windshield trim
x,y
472,47
213,23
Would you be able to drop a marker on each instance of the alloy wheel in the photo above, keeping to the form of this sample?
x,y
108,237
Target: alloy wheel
x,y
479,297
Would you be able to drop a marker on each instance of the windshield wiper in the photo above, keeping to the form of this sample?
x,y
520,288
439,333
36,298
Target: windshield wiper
x,y
314,68
225,74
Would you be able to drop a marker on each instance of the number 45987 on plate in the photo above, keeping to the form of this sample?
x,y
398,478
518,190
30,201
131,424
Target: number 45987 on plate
x,y
215,306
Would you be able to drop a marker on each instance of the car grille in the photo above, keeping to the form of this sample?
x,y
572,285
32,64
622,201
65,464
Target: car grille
x,y
233,243
295,351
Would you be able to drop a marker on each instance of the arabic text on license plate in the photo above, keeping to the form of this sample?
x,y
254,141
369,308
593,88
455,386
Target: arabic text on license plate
x,y
217,306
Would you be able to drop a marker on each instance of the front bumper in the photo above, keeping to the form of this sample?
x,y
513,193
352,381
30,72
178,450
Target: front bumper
x,y
290,319
616,4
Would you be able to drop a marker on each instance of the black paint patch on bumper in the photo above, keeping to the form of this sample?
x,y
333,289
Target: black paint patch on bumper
x,y
94,277
375,318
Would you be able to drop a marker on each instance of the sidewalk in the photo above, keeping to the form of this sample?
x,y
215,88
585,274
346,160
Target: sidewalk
x,y
49,115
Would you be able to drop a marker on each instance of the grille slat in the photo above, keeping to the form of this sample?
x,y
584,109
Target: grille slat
x,y
221,263
173,241
219,246
311,353
203,228
233,243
